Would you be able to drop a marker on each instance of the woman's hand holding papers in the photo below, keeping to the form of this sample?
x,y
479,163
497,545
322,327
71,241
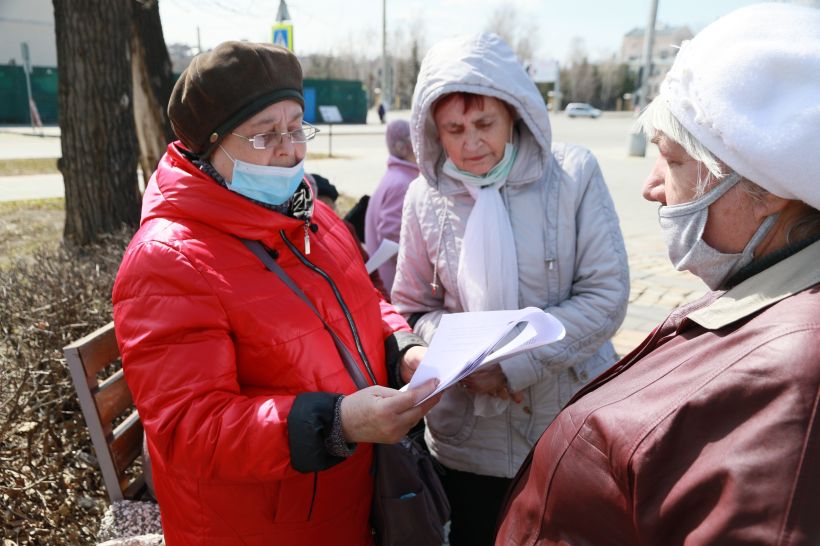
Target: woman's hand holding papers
x,y
410,361
382,415
491,380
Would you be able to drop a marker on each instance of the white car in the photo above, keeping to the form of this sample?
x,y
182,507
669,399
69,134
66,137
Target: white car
x,y
581,110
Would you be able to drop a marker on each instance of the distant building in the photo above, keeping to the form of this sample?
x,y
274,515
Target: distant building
x,y
30,21
667,40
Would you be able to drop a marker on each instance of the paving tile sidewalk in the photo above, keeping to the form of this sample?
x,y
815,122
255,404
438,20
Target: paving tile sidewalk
x,y
656,289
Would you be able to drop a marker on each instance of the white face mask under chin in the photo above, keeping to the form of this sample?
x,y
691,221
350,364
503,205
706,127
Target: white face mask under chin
x,y
683,227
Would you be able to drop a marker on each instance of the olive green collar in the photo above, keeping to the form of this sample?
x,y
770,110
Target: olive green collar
x,y
785,278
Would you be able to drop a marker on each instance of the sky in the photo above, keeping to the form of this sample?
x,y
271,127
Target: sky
x,y
328,26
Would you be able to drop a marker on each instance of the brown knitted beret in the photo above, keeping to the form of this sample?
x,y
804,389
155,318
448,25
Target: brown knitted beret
x,y
222,88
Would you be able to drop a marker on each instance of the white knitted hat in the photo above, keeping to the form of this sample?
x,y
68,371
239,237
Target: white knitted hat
x,y
748,88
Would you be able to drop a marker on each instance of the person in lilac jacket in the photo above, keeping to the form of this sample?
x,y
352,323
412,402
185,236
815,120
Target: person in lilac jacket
x,y
383,219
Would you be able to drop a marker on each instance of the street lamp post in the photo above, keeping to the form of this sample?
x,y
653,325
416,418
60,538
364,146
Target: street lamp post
x,y
27,69
637,140
385,97
282,14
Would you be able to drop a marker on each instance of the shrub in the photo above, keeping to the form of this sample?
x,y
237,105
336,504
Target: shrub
x,y
50,487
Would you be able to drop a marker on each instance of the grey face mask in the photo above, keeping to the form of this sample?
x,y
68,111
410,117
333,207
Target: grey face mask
x,y
683,226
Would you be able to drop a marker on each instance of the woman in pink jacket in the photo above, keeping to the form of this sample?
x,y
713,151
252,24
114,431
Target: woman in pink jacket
x,y
383,219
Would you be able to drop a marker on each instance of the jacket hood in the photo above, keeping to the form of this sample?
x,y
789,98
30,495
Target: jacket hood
x,y
482,64
178,189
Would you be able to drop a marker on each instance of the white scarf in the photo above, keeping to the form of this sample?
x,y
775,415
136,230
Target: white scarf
x,y
487,263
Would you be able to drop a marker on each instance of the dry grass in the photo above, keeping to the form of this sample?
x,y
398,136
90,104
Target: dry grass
x,y
29,225
37,165
344,203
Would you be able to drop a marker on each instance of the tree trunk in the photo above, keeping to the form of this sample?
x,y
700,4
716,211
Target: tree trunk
x,y
99,162
153,82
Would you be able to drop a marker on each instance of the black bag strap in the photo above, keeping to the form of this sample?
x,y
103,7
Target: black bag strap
x,y
349,362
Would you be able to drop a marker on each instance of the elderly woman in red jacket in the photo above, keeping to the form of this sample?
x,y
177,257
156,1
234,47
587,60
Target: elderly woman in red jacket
x,y
709,431
252,419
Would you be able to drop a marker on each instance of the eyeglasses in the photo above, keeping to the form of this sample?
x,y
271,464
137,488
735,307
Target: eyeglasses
x,y
263,141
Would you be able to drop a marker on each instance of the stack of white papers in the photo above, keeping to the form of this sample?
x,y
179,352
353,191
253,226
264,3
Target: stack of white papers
x,y
464,342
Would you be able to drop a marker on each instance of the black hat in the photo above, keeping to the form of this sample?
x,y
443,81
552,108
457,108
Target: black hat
x,y
324,187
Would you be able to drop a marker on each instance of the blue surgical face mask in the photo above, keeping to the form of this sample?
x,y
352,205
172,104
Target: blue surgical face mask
x,y
498,173
265,183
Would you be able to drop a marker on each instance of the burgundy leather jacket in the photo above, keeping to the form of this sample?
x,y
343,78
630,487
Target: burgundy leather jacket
x,y
707,433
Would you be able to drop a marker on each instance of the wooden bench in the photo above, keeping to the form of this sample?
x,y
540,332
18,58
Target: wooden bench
x,y
105,401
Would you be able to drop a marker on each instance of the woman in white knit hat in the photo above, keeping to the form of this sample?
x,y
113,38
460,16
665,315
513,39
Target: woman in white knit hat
x,y
709,431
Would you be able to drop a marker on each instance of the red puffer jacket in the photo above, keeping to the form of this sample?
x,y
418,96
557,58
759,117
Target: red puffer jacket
x,y
232,373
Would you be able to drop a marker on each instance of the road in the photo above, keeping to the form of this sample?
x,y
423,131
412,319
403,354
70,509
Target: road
x,y
360,159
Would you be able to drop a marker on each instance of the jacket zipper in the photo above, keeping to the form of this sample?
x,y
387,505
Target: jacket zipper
x,y
345,310
313,497
307,237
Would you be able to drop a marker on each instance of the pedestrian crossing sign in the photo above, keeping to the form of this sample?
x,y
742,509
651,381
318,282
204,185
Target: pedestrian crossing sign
x,y
282,35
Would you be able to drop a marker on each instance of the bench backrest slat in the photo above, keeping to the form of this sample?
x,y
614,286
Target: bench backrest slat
x,y
103,403
126,442
113,398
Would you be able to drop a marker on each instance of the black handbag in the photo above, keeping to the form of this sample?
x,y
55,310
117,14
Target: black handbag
x,y
409,506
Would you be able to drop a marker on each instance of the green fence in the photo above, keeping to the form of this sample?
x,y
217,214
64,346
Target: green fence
x,y
348,95
14,98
